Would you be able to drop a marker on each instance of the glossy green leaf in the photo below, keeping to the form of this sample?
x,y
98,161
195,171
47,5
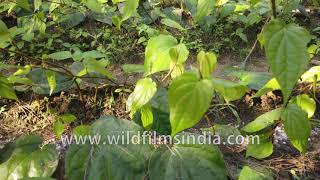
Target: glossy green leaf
x,y
6,90
51,78
189,99
263,121
187,161
157,56
27,159
62,55
297,126
172,24
142,94
23,71
204,8
120,160
259,150
286,51
250,174
271,85
229,90
207,63
305,103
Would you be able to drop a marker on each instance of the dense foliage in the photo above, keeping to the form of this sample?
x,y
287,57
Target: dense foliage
x,y
54,59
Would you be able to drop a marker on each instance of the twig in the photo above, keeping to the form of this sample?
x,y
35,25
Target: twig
x,y
248,56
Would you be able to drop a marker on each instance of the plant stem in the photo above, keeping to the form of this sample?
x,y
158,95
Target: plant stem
x,y
274,9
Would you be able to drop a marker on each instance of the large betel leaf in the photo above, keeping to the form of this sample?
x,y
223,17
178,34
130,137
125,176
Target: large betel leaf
x,y
6,90
263,121
297,126
187,161
27,159
142,94
250,174
286,50
229,90
189,99
76,161
41,85
204,8
158,54
271,85
116,155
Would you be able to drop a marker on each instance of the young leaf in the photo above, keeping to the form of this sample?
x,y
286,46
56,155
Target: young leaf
x,y
229,90
263,121
311,75
6,90
142,94
249,174
305,103
23,71
51,77
157,54
3,28
81,130
297,126
271,85
67,118
286,51
207,63
189,99
178,162
146,117
58,128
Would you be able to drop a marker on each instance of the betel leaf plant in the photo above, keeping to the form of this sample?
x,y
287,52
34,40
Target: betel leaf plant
x,y
286,51
190,92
